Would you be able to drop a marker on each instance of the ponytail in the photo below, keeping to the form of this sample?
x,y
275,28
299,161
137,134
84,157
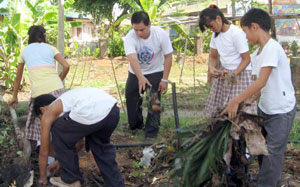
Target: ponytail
x,y
210,14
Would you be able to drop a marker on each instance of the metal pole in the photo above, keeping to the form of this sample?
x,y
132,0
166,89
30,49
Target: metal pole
x,y
132,145
175,109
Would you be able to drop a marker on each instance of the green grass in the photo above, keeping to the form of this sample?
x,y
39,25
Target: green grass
x,y
190,95
167,122
295,132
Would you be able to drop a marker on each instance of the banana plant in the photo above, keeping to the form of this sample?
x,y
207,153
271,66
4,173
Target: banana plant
x,y
9,46
13,31
155,9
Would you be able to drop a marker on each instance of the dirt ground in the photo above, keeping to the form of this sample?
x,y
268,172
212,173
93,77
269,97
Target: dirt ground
x,y
128,158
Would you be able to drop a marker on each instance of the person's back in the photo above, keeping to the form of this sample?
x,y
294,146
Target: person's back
x,y
87,105
39,59
82,112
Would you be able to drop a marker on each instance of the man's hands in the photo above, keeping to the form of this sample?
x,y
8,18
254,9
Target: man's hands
x,y
143,82
163,87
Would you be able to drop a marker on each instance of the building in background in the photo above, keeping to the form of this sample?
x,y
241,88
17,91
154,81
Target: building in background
x,y
85,33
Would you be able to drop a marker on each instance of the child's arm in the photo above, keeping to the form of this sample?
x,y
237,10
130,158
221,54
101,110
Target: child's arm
x,y
60,59
213,60
255,87
17,83
244,63
48,118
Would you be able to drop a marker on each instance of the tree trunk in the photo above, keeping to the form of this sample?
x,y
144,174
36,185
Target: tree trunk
x,y
233,10
199,45
273,30
103,47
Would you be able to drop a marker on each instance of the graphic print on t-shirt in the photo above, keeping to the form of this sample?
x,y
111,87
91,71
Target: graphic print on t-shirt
x,y
145,55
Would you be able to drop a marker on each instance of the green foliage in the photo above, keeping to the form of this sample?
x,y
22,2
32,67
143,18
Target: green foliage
x,y
9,47
137,167
179,45
97,52
294,48
116,46
115,42
200,153
295,132
206,41
86,51
6,139
99,9
13,32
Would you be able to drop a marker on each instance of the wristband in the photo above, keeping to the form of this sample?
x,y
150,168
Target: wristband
x,y
164,80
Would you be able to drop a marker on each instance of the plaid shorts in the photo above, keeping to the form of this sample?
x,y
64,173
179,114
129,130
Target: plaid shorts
x,y
221,92
33,123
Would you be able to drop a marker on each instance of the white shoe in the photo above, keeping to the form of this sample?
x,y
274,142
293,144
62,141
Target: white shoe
x,y
56,181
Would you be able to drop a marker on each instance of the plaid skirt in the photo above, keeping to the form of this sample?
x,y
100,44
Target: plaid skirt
x,y
222,91
33,123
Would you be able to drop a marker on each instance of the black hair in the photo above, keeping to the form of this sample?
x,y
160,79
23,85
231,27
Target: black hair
x,y
40,101
37,33
210,14
258,16
140,16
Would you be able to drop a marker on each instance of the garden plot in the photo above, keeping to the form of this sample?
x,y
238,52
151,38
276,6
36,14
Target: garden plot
x,y
191,99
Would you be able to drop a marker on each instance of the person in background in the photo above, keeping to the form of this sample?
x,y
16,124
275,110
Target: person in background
x,y
39,58
149,52
230,44
78,113
277,103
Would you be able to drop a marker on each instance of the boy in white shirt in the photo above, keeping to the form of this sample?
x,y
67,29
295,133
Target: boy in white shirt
x,y
277,104
82,112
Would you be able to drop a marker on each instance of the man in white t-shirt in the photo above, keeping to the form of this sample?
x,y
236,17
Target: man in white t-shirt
x,y
149,52
82,112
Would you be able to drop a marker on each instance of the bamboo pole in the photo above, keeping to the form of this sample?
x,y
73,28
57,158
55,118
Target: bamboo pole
x,y
184,55
114,73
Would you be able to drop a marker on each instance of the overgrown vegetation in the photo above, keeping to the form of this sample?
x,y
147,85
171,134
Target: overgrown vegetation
x,y
13,31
